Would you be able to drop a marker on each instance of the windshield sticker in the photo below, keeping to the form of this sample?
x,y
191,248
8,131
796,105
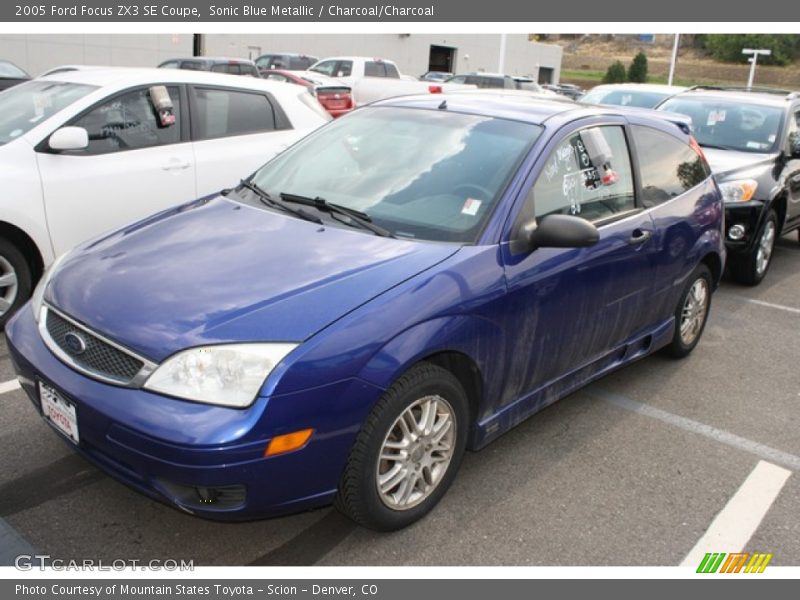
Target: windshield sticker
x,y
757,145
471,206
715,116
771,138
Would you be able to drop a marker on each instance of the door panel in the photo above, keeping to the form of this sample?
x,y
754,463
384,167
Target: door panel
x,y
134,166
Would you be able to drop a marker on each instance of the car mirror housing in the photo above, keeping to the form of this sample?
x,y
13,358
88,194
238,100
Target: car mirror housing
x,y
69,138
794,145
560,231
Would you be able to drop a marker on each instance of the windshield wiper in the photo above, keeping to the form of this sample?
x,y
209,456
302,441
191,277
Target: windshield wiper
x,y
354,217
717,147
268,200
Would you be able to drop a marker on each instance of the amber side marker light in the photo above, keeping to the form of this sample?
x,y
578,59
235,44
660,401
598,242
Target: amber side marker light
x,y
288,442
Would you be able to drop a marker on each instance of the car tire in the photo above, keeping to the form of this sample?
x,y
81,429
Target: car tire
x,y
750,269
423,467
691,312
15,280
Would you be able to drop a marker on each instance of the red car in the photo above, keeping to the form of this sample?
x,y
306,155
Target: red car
x,y
336,98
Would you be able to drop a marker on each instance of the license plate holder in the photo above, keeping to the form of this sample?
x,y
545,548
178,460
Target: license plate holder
x,y
59,412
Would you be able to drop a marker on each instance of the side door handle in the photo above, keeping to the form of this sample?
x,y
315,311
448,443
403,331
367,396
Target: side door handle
x,y
640,236
176,165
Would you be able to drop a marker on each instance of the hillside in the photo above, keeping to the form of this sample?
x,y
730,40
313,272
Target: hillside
x,y
585,61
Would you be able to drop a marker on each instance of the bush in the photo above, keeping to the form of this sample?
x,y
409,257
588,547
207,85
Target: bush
x,y
637,72
728,47
615,73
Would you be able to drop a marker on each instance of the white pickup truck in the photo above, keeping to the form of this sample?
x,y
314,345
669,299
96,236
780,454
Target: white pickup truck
x,y
374,79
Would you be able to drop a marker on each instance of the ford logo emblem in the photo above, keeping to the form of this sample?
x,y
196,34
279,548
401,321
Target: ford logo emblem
x,y
75,344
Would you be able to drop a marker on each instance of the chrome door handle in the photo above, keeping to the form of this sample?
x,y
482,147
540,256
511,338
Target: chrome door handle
x,y
176,166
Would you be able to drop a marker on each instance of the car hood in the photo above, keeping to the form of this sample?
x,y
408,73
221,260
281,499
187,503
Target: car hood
x,y
728,162
218,271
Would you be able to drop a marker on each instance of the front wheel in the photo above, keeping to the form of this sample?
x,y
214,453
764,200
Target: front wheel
x,y
691,313
751,268
15,280
408,451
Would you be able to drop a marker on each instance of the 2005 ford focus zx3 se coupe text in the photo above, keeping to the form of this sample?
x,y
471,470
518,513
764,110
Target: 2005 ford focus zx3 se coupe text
x,y
407,282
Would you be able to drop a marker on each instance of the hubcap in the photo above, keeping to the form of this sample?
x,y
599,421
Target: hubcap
x,y
765,246
694,311
8,285
416,453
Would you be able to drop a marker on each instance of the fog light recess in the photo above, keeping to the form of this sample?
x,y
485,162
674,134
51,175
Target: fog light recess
x,y
736,232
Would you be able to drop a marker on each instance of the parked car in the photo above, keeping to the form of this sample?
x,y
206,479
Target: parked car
x,y
373,79
220,64
752,141
527,84
285,60
485,80
349,319
83,152
435,76
570,90
11,75
639,95
334,96
68,68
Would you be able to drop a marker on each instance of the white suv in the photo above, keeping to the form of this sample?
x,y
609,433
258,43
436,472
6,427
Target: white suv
x,y
86,151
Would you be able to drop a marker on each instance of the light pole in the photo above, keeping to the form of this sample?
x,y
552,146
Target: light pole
x,y
674,58
753,60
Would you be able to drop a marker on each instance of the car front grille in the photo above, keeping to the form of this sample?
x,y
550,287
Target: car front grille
x,y
90,353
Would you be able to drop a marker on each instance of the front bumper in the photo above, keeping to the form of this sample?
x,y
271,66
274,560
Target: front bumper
x,y
163,447
749,215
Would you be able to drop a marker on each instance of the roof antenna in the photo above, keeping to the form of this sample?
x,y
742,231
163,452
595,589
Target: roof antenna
x,y
443,105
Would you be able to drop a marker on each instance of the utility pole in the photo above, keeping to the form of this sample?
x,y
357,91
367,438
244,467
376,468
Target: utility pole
x,y
753,60
674,58
501,63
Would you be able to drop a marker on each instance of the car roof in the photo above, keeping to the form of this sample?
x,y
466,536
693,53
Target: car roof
x,y
366,58
131,76
778,98
528,108
211,59
642,87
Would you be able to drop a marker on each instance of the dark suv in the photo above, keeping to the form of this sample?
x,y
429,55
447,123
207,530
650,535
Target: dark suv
x,y
751,138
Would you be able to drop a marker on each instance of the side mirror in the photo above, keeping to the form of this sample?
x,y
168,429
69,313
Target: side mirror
x,y
794,145
559,231
69,138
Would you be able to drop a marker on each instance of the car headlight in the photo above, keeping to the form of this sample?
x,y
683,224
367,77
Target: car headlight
x,y
740,190
37,298
227,375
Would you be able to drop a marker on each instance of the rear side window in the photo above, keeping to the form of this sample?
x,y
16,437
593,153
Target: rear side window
x,y
391,71
231,69
373,69
129,122
588,175
668,166
223,113
192,65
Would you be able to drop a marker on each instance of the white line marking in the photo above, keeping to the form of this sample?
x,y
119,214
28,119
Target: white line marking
x,y
735,524
764,452
9,386
789,309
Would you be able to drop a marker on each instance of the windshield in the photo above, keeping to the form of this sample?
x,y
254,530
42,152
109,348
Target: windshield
x,y
11,70
638,99
23,107
421,174
729,125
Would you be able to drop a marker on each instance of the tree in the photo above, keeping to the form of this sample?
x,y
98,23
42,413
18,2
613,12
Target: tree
x,y
637,72
615,73
728,47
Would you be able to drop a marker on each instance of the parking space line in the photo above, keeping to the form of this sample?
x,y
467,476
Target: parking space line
x,y
9,386
736,523
773,455
789,309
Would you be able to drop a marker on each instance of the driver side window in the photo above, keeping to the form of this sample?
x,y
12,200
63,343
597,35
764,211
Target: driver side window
x,y
588,175
129,122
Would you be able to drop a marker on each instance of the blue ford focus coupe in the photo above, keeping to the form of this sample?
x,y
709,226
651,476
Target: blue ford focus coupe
x,y
409,281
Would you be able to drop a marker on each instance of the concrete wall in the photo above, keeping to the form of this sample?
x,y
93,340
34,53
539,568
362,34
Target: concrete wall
x,y
36,53
473,52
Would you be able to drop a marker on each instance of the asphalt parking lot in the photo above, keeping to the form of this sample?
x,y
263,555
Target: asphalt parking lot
x,y
632,470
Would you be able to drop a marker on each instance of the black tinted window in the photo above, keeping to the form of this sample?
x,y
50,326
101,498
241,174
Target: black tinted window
x,y
391,71
373,69
192,65
668,166
225,112
345,68
226,68
128,122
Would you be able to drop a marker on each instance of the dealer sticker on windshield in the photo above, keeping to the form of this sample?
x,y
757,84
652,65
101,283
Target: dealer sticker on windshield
x,y
59,411
471,206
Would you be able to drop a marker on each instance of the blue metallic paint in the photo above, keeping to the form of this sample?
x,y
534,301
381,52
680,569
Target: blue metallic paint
x,y
535,325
